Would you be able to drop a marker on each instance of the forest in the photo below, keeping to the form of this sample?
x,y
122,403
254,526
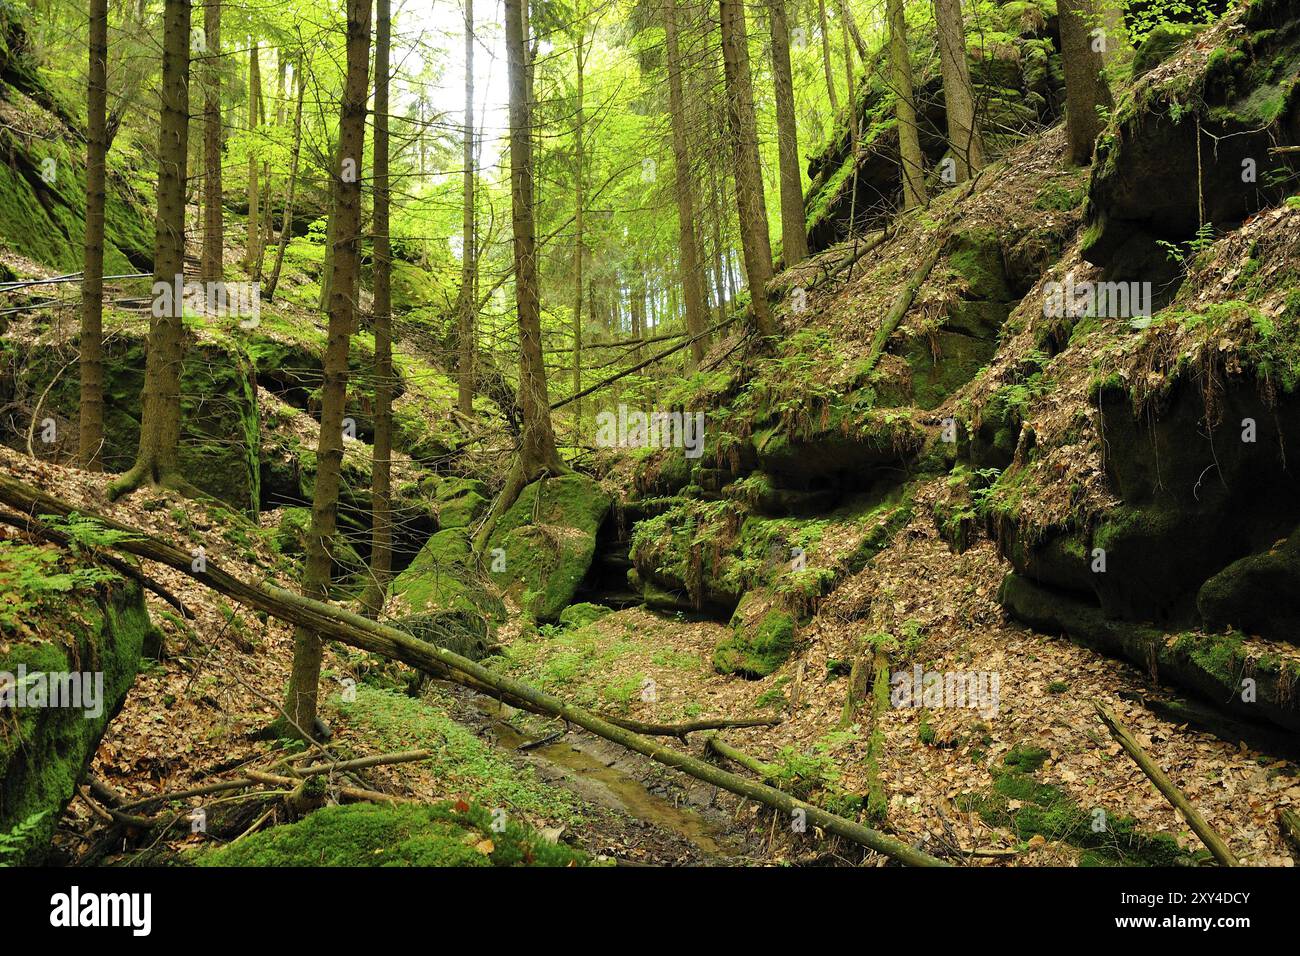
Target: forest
x,y
781,434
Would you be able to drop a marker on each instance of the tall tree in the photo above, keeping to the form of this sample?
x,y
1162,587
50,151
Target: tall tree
x,y
692,275
295,154
211,267
304,679
958,92
91,425
824,27
537,452
160,401
252,250
794,237
1085,87
754,238
579,170
911,162
468,258
381,524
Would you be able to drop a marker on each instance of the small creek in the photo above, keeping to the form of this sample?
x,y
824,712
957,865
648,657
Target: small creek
x,y
602,774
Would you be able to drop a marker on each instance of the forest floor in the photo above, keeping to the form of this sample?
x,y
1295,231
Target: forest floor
x,y
199,715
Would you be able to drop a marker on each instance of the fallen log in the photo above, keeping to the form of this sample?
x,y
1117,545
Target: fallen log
x,y
1289,821
688,727
360,632
1200,826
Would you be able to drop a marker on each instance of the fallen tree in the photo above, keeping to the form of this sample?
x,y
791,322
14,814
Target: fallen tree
x,y
377,638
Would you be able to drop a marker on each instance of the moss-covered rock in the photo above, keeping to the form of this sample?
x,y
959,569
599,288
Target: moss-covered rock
x,y
580,615
442,834
441,597
461,501
761,639
45,750
1259,594
220,429
547,540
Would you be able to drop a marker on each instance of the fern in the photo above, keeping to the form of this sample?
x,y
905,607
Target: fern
x,y
16,839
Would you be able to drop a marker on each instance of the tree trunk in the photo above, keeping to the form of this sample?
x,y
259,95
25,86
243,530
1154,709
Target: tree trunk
x,y
578,172
468,261
826,54
381,520
1085,87
911,161
212,267
958,93
794,235
252,253
286,224
160,401
91,426
537,452
304,679
750,202
690,260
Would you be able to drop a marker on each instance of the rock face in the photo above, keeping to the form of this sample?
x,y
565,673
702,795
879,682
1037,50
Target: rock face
x,y
1018,81
547,541
1147,184
219,417
44,751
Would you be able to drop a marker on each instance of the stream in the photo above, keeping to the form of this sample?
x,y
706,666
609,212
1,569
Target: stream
x,y
606,775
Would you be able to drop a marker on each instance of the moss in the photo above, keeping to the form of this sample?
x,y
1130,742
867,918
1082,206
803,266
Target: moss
x,y
580,615
549,538
755,648
461,502
442,834
461,761
45,751
1020,802
441,598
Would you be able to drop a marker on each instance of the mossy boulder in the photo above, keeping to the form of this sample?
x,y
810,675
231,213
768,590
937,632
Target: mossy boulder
x,y
441,597
580,615
1259,594
46,750
547,540
1151,183
437,835
220,429
461,501
761,639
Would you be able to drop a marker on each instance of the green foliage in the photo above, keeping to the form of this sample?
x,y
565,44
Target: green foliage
x,y
442,834
30,578
17,838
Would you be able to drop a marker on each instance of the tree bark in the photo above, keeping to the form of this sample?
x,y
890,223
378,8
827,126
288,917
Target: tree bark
x,y
90,434
751,204
295,154
304,679
212,267
537,452
578,201
381,517
911,162
160,419
252,252
958,93
794,234
826,55
468,261
1085,87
